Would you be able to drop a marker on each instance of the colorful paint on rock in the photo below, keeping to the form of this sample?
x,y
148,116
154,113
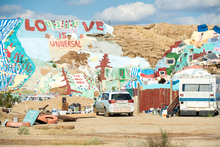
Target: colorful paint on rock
x,y
77,57
16,67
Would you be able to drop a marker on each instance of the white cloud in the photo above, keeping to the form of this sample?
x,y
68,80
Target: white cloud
x,y
44,16
171,5
126,13
202,19
10,9
80,2
3,17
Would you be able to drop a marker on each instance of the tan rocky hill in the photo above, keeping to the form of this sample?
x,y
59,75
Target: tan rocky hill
x,y
177,32
150,41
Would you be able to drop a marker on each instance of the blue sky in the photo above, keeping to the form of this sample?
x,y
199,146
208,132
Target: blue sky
x,y
119,12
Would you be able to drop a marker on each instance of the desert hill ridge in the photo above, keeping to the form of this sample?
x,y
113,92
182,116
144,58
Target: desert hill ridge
x,y
152,40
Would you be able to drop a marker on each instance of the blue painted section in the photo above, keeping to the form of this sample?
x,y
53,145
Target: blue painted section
x,y
174,82
161,64
217,95
202,28
217,81
199,99
133,84
216,29
147,71
31,116
6,25
158,86
5,122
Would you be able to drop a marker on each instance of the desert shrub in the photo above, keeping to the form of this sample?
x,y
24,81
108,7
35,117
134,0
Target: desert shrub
x,y
162,141
54,65
50,61
209,115
138,143
7,99
23,131
94,141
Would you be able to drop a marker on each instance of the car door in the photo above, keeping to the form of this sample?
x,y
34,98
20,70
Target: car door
x,y
98,103
104,101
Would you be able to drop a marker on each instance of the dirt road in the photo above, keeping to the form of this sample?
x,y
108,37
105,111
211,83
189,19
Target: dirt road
x,y
121,131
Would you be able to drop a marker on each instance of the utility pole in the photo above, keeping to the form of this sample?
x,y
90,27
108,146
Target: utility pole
x,y
119,85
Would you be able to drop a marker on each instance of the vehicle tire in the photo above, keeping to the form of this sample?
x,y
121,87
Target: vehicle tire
x,y
105,113
97,113
130,114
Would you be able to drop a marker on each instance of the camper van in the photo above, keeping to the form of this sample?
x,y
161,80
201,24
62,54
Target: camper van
x,y
199,95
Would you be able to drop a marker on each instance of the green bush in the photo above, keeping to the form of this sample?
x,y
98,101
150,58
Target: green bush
x,y
7,99
162,141
23,131
94,141
113,88
54,65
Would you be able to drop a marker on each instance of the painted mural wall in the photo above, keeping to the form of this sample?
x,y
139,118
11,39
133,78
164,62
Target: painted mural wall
x,y
79,57
67,57
28,47
202,48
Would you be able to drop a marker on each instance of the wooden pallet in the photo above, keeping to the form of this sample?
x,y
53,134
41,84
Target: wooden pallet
x,y
173,104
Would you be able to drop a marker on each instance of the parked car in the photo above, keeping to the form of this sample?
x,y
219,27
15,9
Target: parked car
x,y
115,102
38,98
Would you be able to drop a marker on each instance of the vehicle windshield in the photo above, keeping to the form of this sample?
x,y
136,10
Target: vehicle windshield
x,y
31,99
121,97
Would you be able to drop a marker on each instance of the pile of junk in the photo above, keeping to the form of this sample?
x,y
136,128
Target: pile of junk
x,y
74,108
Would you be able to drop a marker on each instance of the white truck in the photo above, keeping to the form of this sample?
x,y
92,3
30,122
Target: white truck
x,y
199,95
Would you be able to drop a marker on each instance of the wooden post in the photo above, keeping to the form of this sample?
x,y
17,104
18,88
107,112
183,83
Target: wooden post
x,y
138,99
171,91
119,85
109,22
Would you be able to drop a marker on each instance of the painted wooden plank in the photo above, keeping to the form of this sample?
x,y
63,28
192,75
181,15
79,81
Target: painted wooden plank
x,y
31,116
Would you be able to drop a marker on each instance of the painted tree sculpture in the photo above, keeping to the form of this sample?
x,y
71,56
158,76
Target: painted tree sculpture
x,y
103,64
68,87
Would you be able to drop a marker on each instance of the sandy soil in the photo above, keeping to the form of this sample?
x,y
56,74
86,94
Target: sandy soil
x,y
121,131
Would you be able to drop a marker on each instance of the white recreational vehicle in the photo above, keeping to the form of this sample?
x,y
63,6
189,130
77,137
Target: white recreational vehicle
x,y
199,95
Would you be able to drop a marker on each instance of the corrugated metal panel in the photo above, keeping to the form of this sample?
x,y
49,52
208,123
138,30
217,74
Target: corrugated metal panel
x,y
154,98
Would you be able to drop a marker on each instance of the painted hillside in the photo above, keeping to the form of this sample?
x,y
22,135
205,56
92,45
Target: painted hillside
x,y
83,58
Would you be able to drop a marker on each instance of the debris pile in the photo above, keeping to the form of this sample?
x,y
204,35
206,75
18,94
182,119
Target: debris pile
x,y
53,103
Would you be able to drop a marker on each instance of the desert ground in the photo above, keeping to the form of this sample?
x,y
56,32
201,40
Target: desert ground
x,y
120,131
